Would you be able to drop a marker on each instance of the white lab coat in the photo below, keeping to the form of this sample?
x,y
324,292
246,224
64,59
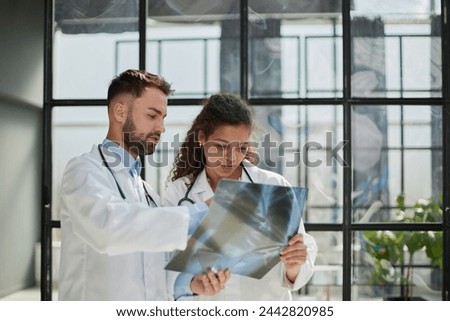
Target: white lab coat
x,y
274,285
113,249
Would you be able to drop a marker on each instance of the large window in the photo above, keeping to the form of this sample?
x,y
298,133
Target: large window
x,y
351,93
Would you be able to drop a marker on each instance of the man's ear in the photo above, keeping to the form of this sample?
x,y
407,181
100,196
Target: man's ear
x,y
119,112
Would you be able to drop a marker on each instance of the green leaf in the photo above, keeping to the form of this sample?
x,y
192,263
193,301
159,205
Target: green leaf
x,y
401,202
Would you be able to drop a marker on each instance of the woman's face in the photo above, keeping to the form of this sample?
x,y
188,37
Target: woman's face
x,y
225,149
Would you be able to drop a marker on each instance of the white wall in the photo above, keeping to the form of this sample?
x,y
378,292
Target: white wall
x,y
22,50
21,92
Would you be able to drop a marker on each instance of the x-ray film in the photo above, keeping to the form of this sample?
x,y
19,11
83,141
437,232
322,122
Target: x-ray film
x,y
246,227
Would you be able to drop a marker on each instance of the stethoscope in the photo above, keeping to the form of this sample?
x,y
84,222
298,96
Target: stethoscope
x,y
186,196
149,199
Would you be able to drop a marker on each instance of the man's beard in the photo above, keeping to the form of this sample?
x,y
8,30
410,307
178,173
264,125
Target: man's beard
x,y
138,144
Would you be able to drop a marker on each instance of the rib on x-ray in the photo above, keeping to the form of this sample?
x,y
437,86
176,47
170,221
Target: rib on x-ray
x,y
246,227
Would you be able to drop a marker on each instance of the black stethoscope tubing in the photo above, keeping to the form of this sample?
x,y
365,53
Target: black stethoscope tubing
x,y
186,195
122,194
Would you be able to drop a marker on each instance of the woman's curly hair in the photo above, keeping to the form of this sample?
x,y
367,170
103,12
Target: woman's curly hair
x,y
219,110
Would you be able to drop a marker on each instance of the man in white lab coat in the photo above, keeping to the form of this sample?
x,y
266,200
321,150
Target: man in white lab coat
x,y
113,232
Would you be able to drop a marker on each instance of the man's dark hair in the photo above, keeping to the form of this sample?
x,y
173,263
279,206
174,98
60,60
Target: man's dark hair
x,y
134,82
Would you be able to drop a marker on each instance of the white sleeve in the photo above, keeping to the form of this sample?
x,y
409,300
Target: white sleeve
x,y
171,197
111,225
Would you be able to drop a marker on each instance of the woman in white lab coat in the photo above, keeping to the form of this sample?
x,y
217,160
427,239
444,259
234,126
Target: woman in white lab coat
x,y
218,146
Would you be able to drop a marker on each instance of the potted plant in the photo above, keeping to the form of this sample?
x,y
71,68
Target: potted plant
x,y
391,249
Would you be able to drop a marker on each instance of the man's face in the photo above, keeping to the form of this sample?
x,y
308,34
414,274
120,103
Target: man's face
x,y
145,122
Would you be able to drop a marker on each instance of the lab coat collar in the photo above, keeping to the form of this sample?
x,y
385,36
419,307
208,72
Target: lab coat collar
x,y
250,169
118,158
202,185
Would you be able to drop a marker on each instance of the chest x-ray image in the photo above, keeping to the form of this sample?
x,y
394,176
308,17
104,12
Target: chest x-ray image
x,y
246,227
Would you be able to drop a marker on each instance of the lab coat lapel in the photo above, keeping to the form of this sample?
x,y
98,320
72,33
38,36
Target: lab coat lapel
x,y
202,188
111,158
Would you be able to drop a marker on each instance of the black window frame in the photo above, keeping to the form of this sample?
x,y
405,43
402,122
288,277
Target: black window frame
x,y
347,227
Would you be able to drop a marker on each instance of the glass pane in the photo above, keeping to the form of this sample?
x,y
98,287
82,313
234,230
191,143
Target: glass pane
x,y
396,48
409,164
195,46
86,50
326,282
324,66
295,48
418,177
304,144
382,268
396,178
422,126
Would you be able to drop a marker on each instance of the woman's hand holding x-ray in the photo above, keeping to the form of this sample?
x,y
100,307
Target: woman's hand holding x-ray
x,y
210,283
293,256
